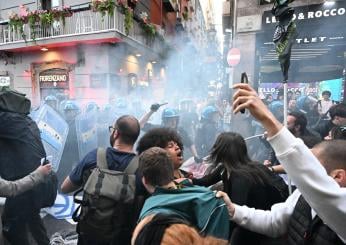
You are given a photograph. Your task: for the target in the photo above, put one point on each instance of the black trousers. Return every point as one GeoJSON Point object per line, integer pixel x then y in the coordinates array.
{"type": "Point", "coordinates": [21, 225]}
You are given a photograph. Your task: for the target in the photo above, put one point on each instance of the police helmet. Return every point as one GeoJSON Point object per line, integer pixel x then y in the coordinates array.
{"type": "Point", "coordinates": [121, 103]}
{"type": "Point", "coordinates": [50, 98]}
{"type": "Point", "coordinates": [169, 113]}
{"type": "Point", "coordinates": [208, 112]}
{"type": "Point", "coordinates": [277, 108]}
{"type": "Point", "coordinates": [91, 106]}
{"type": "Point", "coordinates": [107, 107]}
{"type": "Point", "coordinates": [71, 106]}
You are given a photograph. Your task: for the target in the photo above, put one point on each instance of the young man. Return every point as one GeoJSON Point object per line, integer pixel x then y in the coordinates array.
{"type": "Point", "coordinates": [124, 134]}
{"type": "Point", "coordinates": [295, 217]}
{"type": "Point", "coordinates": [324, 105]}
{"type": "Point", "coordinates": [169, 140]}
{"type": "Point", "coordinates": [195, 204]}
{"type": "Point", "coordinates": [322, 189]}
{"type": "Point", "coordinates": [297, 123]}
{"type": "Point", "coordinates": [337, 118]}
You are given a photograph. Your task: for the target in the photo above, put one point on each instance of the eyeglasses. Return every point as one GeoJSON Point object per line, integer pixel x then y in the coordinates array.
{"type": "Point", "coordinates": [111, 129]}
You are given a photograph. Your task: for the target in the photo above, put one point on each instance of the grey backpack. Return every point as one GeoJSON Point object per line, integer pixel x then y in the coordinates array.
{"type": "Point", "coordinates": [107, 193]}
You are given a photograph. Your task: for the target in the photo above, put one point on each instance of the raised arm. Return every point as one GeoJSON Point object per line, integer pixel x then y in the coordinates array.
{"type": "Point", "coordinates": [145, 118]}
{"type": "Point", "coordinates": [322, 193]}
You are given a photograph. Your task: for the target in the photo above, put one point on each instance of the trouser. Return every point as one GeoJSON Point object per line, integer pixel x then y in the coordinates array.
{"type": "Point", "coordinates": [122, 238]}
{"type": "Point", "coordinates": [20, 227]}
{"type": "Point", "coordinates": [89, 241]}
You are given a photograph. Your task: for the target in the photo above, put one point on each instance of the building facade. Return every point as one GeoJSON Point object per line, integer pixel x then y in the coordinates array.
{"type": "Point", "coordinates": [90, 55]}
{"type": "Point", "coordinates": [319, 50]}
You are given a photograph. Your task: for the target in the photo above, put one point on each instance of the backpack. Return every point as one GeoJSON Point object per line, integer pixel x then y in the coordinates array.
{"type": "Point", "coordinates": [104, 209]}
{"type": "Point", "coordinates": [13, 101]}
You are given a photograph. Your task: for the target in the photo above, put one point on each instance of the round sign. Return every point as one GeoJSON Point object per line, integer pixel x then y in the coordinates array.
{"type": "Point", "coordinates": [233, 57]}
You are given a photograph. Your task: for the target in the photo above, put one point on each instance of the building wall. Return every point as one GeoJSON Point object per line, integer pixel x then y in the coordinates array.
{"type": "Point", "coordinates": [246, 42]}
{"type": "Point", "coordinates": [156, 14]}
{"type": "Point", "coordinates": [112, 64]}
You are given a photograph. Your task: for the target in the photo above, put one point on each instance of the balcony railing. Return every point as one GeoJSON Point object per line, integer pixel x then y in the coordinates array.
{"type": "Point", "coordinates": [80, 23]}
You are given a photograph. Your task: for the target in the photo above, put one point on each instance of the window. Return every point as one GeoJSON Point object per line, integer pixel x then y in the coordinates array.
{"type": "Point", "coordinates": [49, 4]}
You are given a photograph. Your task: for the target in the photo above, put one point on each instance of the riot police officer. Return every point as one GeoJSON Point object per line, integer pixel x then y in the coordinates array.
{"type": "Point", "coordinates": [207, 130]}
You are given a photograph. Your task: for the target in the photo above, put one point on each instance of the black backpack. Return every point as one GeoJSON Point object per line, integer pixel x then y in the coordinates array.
{"type": "Point", "coordinates": [105, 211]}
{"type": "Point", "coordinates": [22, 151]}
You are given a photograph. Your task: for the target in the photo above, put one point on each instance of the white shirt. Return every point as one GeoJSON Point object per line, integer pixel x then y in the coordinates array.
{"type": "Point", "coordinates": [321, 191]}
{"type": "Point", "coordinates": [324, 106]}
{"type": "Point", "coordinates": [324, 195]}
{"type": "Point", "coordinates": [273, 223]}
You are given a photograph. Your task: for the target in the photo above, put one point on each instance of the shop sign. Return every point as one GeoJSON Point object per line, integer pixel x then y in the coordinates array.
{"type": "Point", "coordinates": [54, 78]}
{"type": "Point", "coordinates": [316, 24]}
{"type": "Point", "coordinates": [323, 13]}
{"type": "Point", "coordinates": [249, 23]}
{"type": "Point", "coordinates": [312, 13]}
{"type": "Point", "coordinates": [312, 88]}
{"type": "Point", "coordinates": [5, 81]}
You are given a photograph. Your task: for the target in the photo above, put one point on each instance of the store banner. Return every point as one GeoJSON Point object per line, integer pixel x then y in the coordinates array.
{"type": "Point", "coordinates": [316, 24]}
{"type": "Point", "coordinates": [314, 89]}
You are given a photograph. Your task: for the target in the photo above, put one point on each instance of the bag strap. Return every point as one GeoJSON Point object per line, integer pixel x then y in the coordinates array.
{"type": "Point", "coordinates": [133, 165]}
{"type": "Point", "coordinates": [101, 160]}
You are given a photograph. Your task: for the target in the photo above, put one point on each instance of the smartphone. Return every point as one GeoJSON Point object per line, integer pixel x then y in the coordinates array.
{"type": "Point", "coordinates": [46, 160]}
{"type": "Point", "coordinates": [244, 79]}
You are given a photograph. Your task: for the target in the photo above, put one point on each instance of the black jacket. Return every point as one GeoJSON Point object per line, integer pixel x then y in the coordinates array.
{"type": "Point", "coordinates": [303, 230]}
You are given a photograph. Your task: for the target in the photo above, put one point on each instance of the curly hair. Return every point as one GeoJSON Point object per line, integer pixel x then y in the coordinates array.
{"type": "Point", "coordinates": [159, 137]}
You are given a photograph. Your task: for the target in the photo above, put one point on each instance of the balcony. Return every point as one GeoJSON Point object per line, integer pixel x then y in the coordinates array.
{"type": "Point", "coordinates": [81, 26]}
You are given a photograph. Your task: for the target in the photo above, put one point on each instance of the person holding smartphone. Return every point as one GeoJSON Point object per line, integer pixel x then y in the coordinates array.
{"type": "Point", "coordinates": [13, 188]}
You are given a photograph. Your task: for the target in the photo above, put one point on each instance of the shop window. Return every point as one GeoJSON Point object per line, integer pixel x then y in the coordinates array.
{"type": "Point", "coordinates": [49, 4]}
{"type": "Point", "coordinates": [132, 81]}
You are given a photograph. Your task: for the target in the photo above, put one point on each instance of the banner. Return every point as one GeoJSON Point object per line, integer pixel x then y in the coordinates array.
{"type": "Point", "coordinates": [314, 89]}
{"type": "Point", "coordinates": [63, 207]}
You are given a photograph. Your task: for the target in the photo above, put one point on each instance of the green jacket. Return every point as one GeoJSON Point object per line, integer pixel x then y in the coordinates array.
{"type": "Point", "coordinates": [196, 204]}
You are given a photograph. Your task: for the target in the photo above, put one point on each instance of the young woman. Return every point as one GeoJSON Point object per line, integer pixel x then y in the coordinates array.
{"type": "Point", "coordinates": [245, 181]}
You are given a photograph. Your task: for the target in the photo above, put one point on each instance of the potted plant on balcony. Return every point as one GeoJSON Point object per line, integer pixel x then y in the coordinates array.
{"type": "Point", "coordinates": [61, 14]}
{"type": "Point", "coordinates": [34, 18]}
{"type": "Point", "coordinates": [149, 28]}
{"type": "Point", "coordinates": [16, 22]}
{"type": "Point", "coordinates": [128, 12]}
{"type": "Point", "coordinates": [46, 18]}
{"type": "Point", "coordinates": [103, 6]}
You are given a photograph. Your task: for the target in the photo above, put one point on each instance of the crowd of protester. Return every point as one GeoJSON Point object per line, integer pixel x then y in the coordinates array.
{"type": "Point", "coordinates": [135, 192]}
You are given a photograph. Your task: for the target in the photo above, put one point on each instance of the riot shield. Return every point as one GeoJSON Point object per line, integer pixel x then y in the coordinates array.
{"type": "Point", "coordinates": [86, 128]}
{"type": "Point", "coordinates": [53, 130]}
{"type": "Point", "coordinates": [104, 121]}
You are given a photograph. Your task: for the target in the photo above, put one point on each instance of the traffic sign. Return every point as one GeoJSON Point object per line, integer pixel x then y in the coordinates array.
{"type": "Point", "coordinates": [233, 57]}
